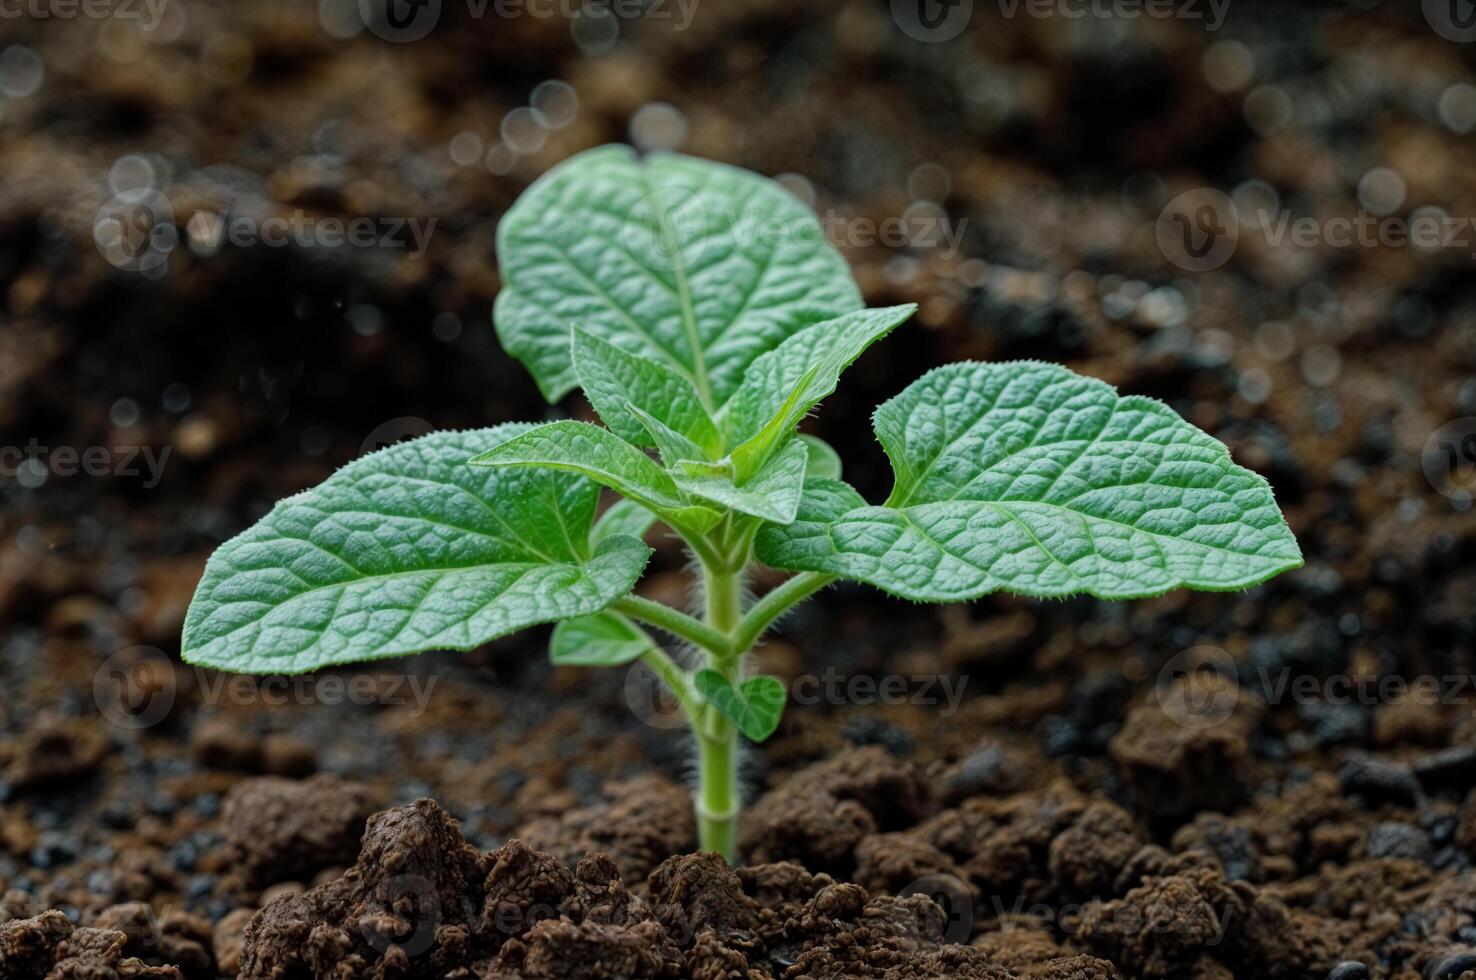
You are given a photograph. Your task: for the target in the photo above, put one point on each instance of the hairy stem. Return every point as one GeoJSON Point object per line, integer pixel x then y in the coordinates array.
{"type": "Point", "coordinates": [675, 622]}
{"type": "Point", "coordinates": [775, 604]}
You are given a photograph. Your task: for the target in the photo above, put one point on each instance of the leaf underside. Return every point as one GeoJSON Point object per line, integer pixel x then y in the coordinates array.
{"type": "Point", "coordinates": [698, 265]}
{"type": "Point", "coordinates": [405, 550]}
{"type": "Point", "coordinates": [1026, 477]}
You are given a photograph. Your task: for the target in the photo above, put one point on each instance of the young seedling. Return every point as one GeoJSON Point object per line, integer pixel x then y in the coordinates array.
{"type": "Point", "coordinates": [704, 315]}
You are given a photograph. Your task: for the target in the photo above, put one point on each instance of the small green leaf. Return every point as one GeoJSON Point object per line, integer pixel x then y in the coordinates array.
{"type": "Point", "coordinates": [755, 707]}
{"type": "Point", "coordinates": [604, 457]}
{"type": "Point", "coordinates": [824, 460]}
{"type": "Point", "coordinates": [1029, 478]}
{"type": "Point", "coordinates": [781, 387]}
{"type": "Point", "coordinates": [616, 381]}
{"type": "Point", "coordinates": [604, 639]}
{"type": "Point", "coordinates": [622, 517]}
{"type": "Point", "coordinates": [773, 493]}
{"type": "Point", "coordinates": [404, 550]}
{"type": "Point", "coordinates": [697, 265]}
{"type": "Point", "coordinates": [673, 446]}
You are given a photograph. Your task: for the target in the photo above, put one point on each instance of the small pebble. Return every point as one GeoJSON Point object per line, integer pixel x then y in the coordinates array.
{"type": "Point", "coordinates": [1349, 970]}
{"type": "Point", "coordinates": [1399, 840]}
{"type": "Point", "coordinates": [1380, 781]}
{"type": "Point", "coordinates": [1453, 768]}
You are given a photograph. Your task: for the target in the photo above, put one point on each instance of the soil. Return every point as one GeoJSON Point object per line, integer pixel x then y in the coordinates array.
{"type": "Point", "coordinates": [1091, 807]}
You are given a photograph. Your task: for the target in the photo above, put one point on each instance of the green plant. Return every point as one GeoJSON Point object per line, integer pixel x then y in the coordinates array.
{"type": "Point", "coordinates": [704, 315]}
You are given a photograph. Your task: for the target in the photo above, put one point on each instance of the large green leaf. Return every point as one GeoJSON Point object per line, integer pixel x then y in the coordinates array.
{"type": "Point", "coordinates": [1027, 477]}
{"type": "Point", "coordinates": [696, 264]}
{"type": "Point", "coordinates": [622, 386]}
{"type": "Point", "coordinates": [604, 457]}
{"type": "Point", "coordinates": [785, 384]}
{"type": "Point", "coordinates": [404, 550]}
{"type": "Point", "coordinates": [773, 493]}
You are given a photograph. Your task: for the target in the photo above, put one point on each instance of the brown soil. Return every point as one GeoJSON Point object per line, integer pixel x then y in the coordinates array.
{"type": "Point", "coordinates": [1068, 820]}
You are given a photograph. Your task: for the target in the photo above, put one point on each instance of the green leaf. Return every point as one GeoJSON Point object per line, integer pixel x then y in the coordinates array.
{"type": "Point", "coordinates": [824, 460]}
{"type": "Point", "coordinates": [697, 265]}
{"type": "Point", "coordinates": [604, 639]}
{"type": "Point", "coordinates": [601, 455]}
{"type": "Point", "coordinates": [1029, 478]}
{"type": "Point", "coordinates": [404, 550]}
{"type": "Point", "coordinates": [622, 517]}
{"type": "Point", "coordinates": [755, 707]}
{"type": "Point", "coordinates": [673, 446]}
{"type": "Point", "coordinates": [785, 384]}
{"type": "Point", "coordinates": [773, 493]}
{"type": "Point", "coordinates": [617, 382]}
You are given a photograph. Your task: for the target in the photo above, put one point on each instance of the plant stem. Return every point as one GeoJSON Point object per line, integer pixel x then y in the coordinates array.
{"type": "Point", "coordinates": [675, 622]}
{"type": "Point", "coordinates": [718, 799]}
{"type": "Point", "coordinates": [775, 604]}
